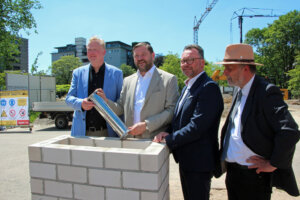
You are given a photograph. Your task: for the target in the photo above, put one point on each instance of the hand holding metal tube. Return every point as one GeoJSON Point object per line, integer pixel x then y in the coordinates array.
{"type": "Point", "coordinates": [113, 120]}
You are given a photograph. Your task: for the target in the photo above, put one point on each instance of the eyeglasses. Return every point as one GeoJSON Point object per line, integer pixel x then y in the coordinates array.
{"type": "Point", "coordinates": [189, 61]}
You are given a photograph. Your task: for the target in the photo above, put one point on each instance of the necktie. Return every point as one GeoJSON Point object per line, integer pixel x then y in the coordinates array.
{"type": "Point", "coordinates": [231, 123]}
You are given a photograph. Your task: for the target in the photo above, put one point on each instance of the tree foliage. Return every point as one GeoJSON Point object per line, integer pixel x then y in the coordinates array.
{"type": "Point", "coordinates": [2, 81]}
{"type": "Point", "coordinates": [34, 66]}
{"type": "Point", "coordinates": [62, 90]}
{"type": "Point", "coordinates": [15, 15]}
{"type": "Point", "coordinates": [127, 70]}
{"type": "Point", "coordinates": [276, 47]}
{"type": "Point", "coordinates": [294, 82]}
{"type": "Point", "coordinates": [159, 60]}
{"type": "Point", "coordinates": [62, 69]}
{"type": "Point", "coordinates": [171, 64]}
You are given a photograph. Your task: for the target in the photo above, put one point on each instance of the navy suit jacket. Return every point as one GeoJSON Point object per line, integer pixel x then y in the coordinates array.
{"type": "Point", "coordinates": [112, 85]}
{"type": "Point", "coordinates": [269, 130]}
{"type": "Point", "coordinates": [193, 138]}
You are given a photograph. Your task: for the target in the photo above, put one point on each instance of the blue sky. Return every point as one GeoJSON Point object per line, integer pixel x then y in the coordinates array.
{"type": "Point", "coordinates": [166, 24]}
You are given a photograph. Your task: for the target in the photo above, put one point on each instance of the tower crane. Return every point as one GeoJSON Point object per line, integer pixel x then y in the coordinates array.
{"type": "Point", "coordinates": [253, 13]}
{"type": "Point", "coordinates": [198, 22]}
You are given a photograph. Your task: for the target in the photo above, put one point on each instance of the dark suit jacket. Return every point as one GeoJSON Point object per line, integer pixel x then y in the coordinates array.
{"type": "Point", "coordinates": [270, 131]}
{"type": "Point", "coordinates": [193, 138]}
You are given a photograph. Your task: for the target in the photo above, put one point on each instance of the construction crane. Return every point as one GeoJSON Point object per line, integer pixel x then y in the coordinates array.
{"type": "Point", "coordinates": [253, 13]}
{"type": "Point", "coordinates": [198, 22]}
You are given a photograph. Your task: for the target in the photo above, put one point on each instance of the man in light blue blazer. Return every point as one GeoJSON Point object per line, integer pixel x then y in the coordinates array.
{"type": "Point", "coordinates": [98, 74]}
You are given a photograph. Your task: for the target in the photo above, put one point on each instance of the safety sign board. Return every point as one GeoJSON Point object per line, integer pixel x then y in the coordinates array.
{"type": "Point", "coordinates": [14, 108]}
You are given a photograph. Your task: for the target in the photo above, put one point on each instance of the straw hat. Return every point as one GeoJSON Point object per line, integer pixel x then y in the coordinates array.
{"type": "Point", "coordinates": [239, 54]}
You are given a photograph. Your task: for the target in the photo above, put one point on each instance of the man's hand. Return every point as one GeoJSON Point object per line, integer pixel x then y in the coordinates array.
{"type": "Point", "coordinates": [101, 93]}
{"type": "Point", "coordinates": [261, 164]}
{"type": "Point", "coordinates": [87, 105]}
{"type": "Point", "coordinates": [138, 128]}
{"type": "Point", "coordinates": [160, 138]}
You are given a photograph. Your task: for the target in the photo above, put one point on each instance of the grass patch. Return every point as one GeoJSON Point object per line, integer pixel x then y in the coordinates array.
{"type": "Point", "coordinates": [33, 115]}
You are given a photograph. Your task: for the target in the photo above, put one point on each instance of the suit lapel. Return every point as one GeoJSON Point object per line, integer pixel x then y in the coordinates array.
{"type": "Point", "coordinates": [131, 96]}
{"type": "Point", "coordinates": [86, 80]}
{"type": "Point", "coordinates": [152, 86]}
{"type": "Point", "coordinates": [248, 104]}
{"type": "Point", "coordinates": [176, 111]}
{"type": "Point", "coordinates": [198, 83]}
{"type": "Point", "coordinates": [106, 80]}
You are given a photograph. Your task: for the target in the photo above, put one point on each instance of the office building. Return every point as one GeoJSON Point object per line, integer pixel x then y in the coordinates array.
{"type": "Point", "coordinates": [117, 53]}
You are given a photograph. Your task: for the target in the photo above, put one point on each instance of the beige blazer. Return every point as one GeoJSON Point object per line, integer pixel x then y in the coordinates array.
{"type": "Point", "coordinates": [159, 105]}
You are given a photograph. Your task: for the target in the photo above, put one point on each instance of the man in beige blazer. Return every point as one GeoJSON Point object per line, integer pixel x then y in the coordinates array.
{"type": "Point", "coordinates": [148, 97]}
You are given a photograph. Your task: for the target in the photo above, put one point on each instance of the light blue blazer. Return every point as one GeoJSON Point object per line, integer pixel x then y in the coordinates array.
{"type": "Point", "coordinates": [113, 80]}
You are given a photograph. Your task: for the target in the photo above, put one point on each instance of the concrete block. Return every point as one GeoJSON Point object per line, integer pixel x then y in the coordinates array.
{"type": "Point", "coordinates": [82, 142]}
{"type": "Point", "coordinates": [86, 192]}
{"type": "Point", "coordinates": [119, 194]}
{"type": "Point", "coordinates": [63, 141]}
{"type": "Point", "coordinates": [72, 174]}
{"type": "Point", "coordinates": [41, 197]}
{"type": "Point", "coordinates": [144, 181]}
{"type": "Point", "coordinates": [34, 153]}
{"type": "Point", "coordinates": [153, 157]}
{"type": "Point", "coordinates": [160, 195]}
{"type": "Point", "coordinates": [164, 171]}
{"type": "Point", "coordinates": [40, 170]}
{"type": "Point", "coordinates": [108, 142]}
{"type": "Point", "coordinates": [167, 195]}
{"type": "Point", "coordinates": [53, 154]}
{"type": "Point", "coordinates": [164, 188]}
{"type": "Point", "coordinates": [132, 143]}
{"type": "Point", "coordinates": [104, 177]}
{"type": "Point", "coordinates": [118, 158]}
{"type": "Point", "coordinates": [89, 157]}
{"type": "Point", "coordinates": [58, 189]}
{"type": "Point", "coordinates": [37, 186]}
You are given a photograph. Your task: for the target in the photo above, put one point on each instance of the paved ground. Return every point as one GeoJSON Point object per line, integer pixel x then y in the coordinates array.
{"type": "Point", "coordinates": [14, 172]}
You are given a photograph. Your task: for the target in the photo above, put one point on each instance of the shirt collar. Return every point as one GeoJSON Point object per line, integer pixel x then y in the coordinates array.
{"type": "Point", "coordinates": [246, 88]}
{"type": "Point", "coordinates": [101, 70]}
{"type": "Point", "coordinates": [149, 73]}
{"type": "Point", "coordinates": [189, 82]}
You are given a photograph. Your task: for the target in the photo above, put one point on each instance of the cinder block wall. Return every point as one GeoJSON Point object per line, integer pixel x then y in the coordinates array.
{"type": "Point", "coordinates": [98, 168]}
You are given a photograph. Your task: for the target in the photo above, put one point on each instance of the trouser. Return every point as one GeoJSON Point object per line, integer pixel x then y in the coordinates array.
{"type": "Point", "coordinates": [245, 184]}
{"type": "Point", "coordinates": [97, 133]}
{"type": "Point", "coordinates": [195, 185]}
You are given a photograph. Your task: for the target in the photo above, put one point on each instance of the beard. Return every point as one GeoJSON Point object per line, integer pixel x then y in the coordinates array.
{"type": "Point", "coordinates": [144, 65]}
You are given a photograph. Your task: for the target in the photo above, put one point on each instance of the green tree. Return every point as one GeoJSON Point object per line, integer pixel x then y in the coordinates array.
{"type": "Point", "coordinates": [2, 81]}
{"type": "Point", "coordinates": [210, 68]}
{"type": "Point", "coordinates": [127, 70]}
{"type": "Point", "coordinates": [15, 15]}
{"type": "Point", "coordinates": [294, 82]}
{"type": "Point", "coordinates": [171, 64]}
{"type": "Point", "coordinates": [62, 69]}
{"type": "Point", "coordinates": [34, 66]}
{"type": "Point", "coordinates": [276, 47]}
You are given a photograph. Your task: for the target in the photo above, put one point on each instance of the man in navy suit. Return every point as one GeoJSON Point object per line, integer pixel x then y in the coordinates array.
{"type": "Point", "coordinates": [193, 134]}
{"type": "Point", "coordinates": [86, 79]}
{"type": "Point", "coordinates": [259, 135]}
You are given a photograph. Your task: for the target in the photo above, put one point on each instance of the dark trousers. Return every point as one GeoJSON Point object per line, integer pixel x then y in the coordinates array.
{"type": "Point", "coordinates": [246, 184]}
{"type": "Point", "coordinates": [195, 185]}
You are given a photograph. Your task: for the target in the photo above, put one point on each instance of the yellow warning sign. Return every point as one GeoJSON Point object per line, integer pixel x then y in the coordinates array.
{"type": "Point", "coordinates": [3, 114]}
{"type": "Point", "coordinates": [8, 123]}
{"type": "Point", "coordinates": [22, 102]}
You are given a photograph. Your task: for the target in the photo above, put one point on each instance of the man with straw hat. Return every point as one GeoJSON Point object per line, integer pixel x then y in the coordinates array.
{"type": "Point", "coordinates": [259, 136]}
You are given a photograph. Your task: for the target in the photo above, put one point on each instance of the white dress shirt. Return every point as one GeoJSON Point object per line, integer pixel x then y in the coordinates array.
{"type": "Point", "coordinates": [238, 152]}
{"type": "Point", "coordinates": [189, 83]}
{"type": "Point", "coordinates": [141, 89]}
